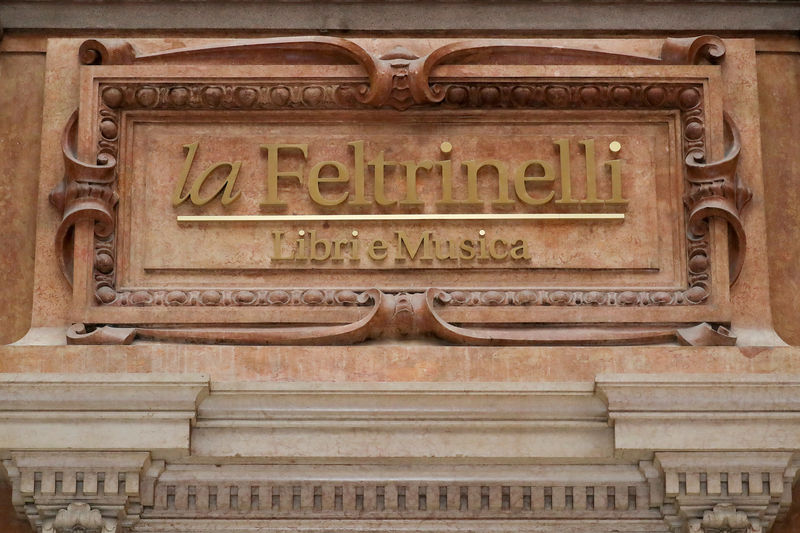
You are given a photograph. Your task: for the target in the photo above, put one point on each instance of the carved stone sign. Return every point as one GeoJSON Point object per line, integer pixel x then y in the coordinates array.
{"type": "Point", "coordinates": [305, 190]}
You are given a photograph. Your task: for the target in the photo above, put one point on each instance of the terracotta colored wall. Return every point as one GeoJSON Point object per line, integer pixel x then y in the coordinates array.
{"type": "Point", "coordinates": [21, 93]}
{"type": "Point", "coordinates": [779, 100]}
{"type": "Point", "coordinates": [9, 522]}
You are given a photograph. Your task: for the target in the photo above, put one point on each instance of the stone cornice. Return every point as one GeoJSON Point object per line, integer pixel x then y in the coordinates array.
{"type": "Point", "coordinates": [99, 411]}
{"type": "Point", "coordinates": [402, 420]}
{"type": "Point", "coordinates": [426, 15]}
{"type": "Point", "coordinates": [700, 392]}
{"type": "Point", "coordinates": [702, 412]}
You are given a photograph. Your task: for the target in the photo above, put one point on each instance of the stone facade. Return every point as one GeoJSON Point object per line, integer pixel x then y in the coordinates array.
{"type": "Point", "coordinates": [318, 403]}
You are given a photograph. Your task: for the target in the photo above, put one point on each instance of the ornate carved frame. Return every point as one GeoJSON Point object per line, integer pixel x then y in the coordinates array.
{"type": "Point", "coordinates": [401, 80]}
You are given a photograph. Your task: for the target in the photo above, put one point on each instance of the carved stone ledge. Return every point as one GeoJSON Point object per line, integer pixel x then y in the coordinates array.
{"type": "Point", "coordinates": [278, 421]}
{"type": "Point", "coordinates": [148, 412]}
{"type": "Point", "coordinates": [406, 316]}
{"type": "Point", "coordinates": [674, 412]}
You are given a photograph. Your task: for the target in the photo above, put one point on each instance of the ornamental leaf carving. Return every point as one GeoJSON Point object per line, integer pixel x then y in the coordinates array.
{"type": "Point", "coordinates": [79, 518]}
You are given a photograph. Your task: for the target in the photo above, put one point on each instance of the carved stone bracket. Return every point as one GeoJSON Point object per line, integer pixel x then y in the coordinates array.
{"type": "Point", "coordinates": [85, 194]}
{"type": "Point", "coordinates": [724, 492]}
{"type": "Point", "coordinates": [718, 192]}
{"type": "Point", "coordinates": [724, 518]}
{"type": "Point", "coordinates": [111, 489]}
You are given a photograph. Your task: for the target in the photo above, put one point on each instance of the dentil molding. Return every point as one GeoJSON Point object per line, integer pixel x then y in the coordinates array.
{"type": "Point", "coordinates": [620, 454]}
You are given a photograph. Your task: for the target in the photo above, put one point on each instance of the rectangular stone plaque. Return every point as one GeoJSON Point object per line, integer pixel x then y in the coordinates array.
{"type": "Point", "coordinates": [515, 194]}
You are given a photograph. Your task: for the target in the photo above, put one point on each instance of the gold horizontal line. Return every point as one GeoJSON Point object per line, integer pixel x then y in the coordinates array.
{"type": "Point", "coordinates": [401, 217]}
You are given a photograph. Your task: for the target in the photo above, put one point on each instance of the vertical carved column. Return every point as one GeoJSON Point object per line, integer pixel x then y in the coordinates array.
{"type": "Point", "coordinates": [82, 491]}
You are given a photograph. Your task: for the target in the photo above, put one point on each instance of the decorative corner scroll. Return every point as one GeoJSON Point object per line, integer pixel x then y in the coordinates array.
{"type": "Point", "coordinates": [693, 50]}
{"type": "Point", "coordinates": [718, 192]}
{"type": "Point", "coordinates": [86, 193]}
{"type": "Point", "coordinates": [106, 52]}
{"type": "Point", "coordinates": [705, 334]}
{"type": "Point", "coordinates": [78, 334]}
{"type": "Point", "coordinates": [400, 78]}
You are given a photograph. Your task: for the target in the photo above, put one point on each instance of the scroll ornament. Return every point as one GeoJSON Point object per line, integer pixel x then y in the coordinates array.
{"type": "Point", "coordinates": [85, 194]}
{"type": "Point", "coordinates": [400, 78]}
{"type": "Point", "coordinates": [718, 192]}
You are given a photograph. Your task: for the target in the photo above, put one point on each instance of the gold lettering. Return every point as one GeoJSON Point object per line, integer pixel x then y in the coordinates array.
{"type": "Point", "coordinates": [359, 197]}
{"type": "Point", "coordinates": [314, 180]}
{"type": "Point", "coordinates": [591, 173]}
{"type": "Point", "coordinates": [377, 250]}
{"type": "Point", "coordinates": [355, 255]}
{"type": "Point", "coordinates": [273, 151]}
{"type": "Point", "coordinates": [338, 244]}
{"type": "Point", "coordinates": [449, 252]}
{"type": "Point", "coordinates": [447, 176]}
{"type": "Point", "coordinates": [473, 166]}
{"type": "Point", "coordinates": [228, 196]}
{"type": "Point", "coordinates": [468, 249]}
{"type": "Point", "coordinates": [521, 180]}
{"type": "Point", "coordinates": [177, 199]}
{"type": "Point", "coordinates": [407, 249]}
{"type": "Point", "coordinates": [314, 244]}
{"type": "Point", "coordinates": [380, 167]}
{"type": "Point", "coordinates": [411, 181]}
{"type": "Point", "coordinates": [616, 182]}
{"type": "Point", "coordinates": [277, 247]}
{"type": "Point", "coordinates": [566, 177]}
{"type": "Point", "coordinates": [503, 253]}
{"type": "Point", "coordinates": [519, 250]}
{"type": "Point", "coordinates": [484, 252]}
{"type": "Point", "coordinates": [300, 253]}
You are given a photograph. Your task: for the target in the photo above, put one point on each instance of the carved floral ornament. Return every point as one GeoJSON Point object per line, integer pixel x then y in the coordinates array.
{"type": "Point", "coordinates": [79, 518]}
{"type": "Point", "coordinates": [401, 80]}
{"type": "Point", "coordinates": [724, 518]}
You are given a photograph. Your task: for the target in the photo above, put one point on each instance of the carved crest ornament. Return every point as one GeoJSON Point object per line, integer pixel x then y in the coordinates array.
{"type": "Point", "coordinates": [398, 81]}
{"type": "Point", "coordinates": [79, 518]}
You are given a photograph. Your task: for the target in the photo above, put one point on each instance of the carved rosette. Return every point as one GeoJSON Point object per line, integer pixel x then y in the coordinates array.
{"type": "Point", "coordinates": [402, 80]}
